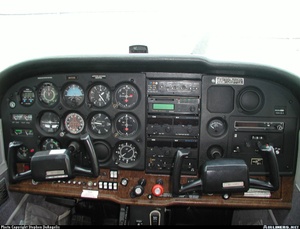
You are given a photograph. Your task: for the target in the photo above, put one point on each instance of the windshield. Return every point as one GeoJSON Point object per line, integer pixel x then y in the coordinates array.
{"type": "Point", "coordinates": [264, 32]}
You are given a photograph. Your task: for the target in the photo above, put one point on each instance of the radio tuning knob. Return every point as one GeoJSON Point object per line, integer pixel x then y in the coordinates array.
{"type": "Point", "coordinates": [189, 129]}
{"type": "Point", "coordinates": [279, 127]}
{"type": "Point", "coordinates": [192, 109]}
{"type": "Point", "coordinates": [168, 129]}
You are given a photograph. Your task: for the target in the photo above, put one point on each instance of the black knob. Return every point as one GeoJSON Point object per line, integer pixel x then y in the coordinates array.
{"type": "Point", "coordinates": [142, 182]}
{"type": "Point", "coordinates": [137, 191]}
{"type": "Point", "coordinates": [215, 152]}
{"type": "Point", "coordinates": [168, 129]}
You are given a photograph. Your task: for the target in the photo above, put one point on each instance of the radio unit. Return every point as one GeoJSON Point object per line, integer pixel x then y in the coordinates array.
{"type": "Point", "coordinates": [173, 123]}
{"type": "Point", "coordinates": [173, 104]}
{"type": "Point", "coordinates": [161, 155]}
{"type": "Point", "coordinates": [174, 87]}
{"type": "Point", "coordinates": [185, 126]}
{"type": "Point", "coordinates": [258, 126]}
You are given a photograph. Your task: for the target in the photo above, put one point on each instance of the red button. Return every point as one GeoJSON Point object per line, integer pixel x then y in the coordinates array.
{"type": "Point", "coordinates": [157, 190]}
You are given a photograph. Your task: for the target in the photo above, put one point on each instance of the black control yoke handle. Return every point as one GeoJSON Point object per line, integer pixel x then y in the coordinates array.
{"type": "Point", "coordinates": [91, 152]}
{"type": "Point", "coordinates": [197, 185]}
{"type": "Point", "coordinates": [273, 183]}
{"type": "Point", "coordinates": [13, 175]}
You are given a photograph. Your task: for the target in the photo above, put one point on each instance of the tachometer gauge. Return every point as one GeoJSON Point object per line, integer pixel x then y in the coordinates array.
{"type": "Point", "coordinates": [100, 124]}
{"type": "Point", "coordinates": [49, 122]}
{"type": "Point", "coordinates": [126, 96]}
{"type": "Point", "coordinates": [74, 123]}
{"type": "Point", "coordinates": [73, 95]}
{"type": "Point", "coordinates": [126, 152]}
{"type": "Point", "coordinates": [99, 95]}
{"type": "Point", "coordinates": [126, 125]}
{"type": "Point", "coordinates": [49, 144]}
{"type": "Point", "coordinates": [27, 97]}
{"type": "Point", "coordinates": [48, 94]}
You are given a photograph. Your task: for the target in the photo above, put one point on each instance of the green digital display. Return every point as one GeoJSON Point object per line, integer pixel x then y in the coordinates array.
{"type": "Point", "coordinates": [163, 106]}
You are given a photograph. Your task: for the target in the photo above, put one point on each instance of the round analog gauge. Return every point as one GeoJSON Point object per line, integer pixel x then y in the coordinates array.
{"type": "Point", "coordinates": [126, 125]}
{"type": "Point", "coordinates": [74, 123]}
{"type": "Point", "coordinates": [99, 95]}
{"type": "Point", "coordinates": [216, 127]}
{"type": "Point", "coordinates": [126, 96]}
{"type": "Point", "coordinates": [23, 153]}
{"type": "Point", "coordinates": [48, 94]}
{"type": "Point", "coordinates": [100, 124]}
{"type": "Point", "coordinates": [49, 122]}
{"type": "Point", "coordinates": [73, 95]}
{"type": "Point", "coordinates": [126, 152]}
{"type": "Point", "coordinates": [27, 97]}
{"type": "Point", "coordinates": [49, 144]}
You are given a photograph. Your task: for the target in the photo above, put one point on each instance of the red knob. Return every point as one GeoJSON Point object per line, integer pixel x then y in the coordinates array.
{"type": "Point", "coordinates": [157, 190]}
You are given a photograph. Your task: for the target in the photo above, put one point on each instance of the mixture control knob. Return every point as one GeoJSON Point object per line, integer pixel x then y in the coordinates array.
{"type": "Point", "coordinates": [157, 190]}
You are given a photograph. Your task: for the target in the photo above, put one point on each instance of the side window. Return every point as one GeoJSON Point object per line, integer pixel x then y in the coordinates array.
{"type": "Point", "coordinates": [297, 177]}
{"type": "Point", "coordinates": [3, 165]}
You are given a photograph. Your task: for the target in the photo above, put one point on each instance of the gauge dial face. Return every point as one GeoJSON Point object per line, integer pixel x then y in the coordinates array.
{"type": "Point", "coordinates": [126, 125]}
{"type": "Point", "coordinates": [23, 153]}
{"type": "Point", "coordinates": [99, 95]}
{"type": "Point", "coordinates": [74, 123]}
{"type": "Point", "coordinates": [73, 95]}
{"type": "Point", "coordinates": [100, 124]}
{"type": "Point", "coordinates": [126, 96]}
{"type": "Point", "coordinates": [27, 97]}
{"type": "Point", "coordinates": [216, 127]}
{"type": "Point", "coordinates": [127, 152]}
{"type": "Point", "coordinates": [49, 144]}
{"type": "Point", "coordinates": [48, 94]}
{"type": "Point", "coordinates": [49, 122]}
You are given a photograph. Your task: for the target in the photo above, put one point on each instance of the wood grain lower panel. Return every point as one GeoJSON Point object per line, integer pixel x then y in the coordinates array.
{"type": "Point", "coordinates": [73, 189]}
